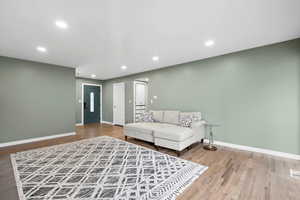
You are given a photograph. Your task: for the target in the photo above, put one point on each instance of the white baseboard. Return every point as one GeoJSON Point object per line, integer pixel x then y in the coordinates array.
{"type": "Point", "coordinates": [106, 122]}
{"type": "Point", "coordinates": [35, 139]}
{"type": "Point", "coordinates": [259, 150]}
{"type": "Point", "coordinates": [79, 124]}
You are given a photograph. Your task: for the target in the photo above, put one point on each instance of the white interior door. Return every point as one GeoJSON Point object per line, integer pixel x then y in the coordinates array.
{"type": "Point", "coordinates": [119, 103]}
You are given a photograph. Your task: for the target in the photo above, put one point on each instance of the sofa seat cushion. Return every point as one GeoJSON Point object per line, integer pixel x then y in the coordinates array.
{"type": "Point", "coordinates": [174, 133]}
{"type": "Point", "coordinates": [142, 127]}
{"type": "Point", "coordinates": [147, 127]}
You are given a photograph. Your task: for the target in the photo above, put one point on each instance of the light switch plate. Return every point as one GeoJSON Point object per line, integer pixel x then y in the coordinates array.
{"type": "Point", "coordinates": [295, 174]}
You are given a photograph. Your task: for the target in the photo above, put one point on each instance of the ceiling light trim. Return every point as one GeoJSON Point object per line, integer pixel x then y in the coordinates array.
{"type": "Point", "coordinates": [41, 49]}
{"type": "Point", "coordinates": [61, 24]}
{"type": "Point", "coordinates": [123, 67]}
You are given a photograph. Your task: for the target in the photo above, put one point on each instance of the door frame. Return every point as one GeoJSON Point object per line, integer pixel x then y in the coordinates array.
{"type": "Point", "coordinates": [82, 100]}
{"type": "Point", "coordinates": [113, 121]}
{"type": "Point", "coordinates": [133, 101]}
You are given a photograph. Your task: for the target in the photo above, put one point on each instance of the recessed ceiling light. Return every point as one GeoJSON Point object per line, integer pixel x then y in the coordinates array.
{"type": "Point", "coordinates": [155, 58]}
{"type": "Point", "coordinates": [93, 75]}
{"type": "Point", "coordinates": [209, 43]}
{"type": "Point", "coordinates": [61, 24]}
{"type": "Point", "coordinates": [41, 49]}
{"type": "Point", "coordinates": [123, 67]}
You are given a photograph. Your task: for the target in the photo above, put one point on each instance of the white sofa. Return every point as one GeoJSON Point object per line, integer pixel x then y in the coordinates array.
{"type": "Point", "coordinates": [166, 131]}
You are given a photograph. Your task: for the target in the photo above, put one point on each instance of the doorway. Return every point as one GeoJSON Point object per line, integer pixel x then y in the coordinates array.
{"type": "Point", "coordinates": [140, 100]}
{"type": "Point", "coordinates": [119, 104]}
{"type": "Point", "coordinates": [91, 103]}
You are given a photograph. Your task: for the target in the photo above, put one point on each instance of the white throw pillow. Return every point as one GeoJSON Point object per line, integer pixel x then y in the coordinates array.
{"type": "Point", "coordinates": [171, 117]}
{"type": "Point", "coordinates": [157, 115]}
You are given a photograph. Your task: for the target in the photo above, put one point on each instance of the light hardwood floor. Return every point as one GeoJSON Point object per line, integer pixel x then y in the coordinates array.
{"type": "Point", "coordinates": [232, 174]}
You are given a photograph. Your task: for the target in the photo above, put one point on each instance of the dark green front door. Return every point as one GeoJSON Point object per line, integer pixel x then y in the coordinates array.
{"type": "Point", "coordinates": [91, 104]}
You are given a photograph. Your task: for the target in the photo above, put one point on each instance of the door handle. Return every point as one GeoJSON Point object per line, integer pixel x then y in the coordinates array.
{"type": "Point", "coordinates": [84, 105]}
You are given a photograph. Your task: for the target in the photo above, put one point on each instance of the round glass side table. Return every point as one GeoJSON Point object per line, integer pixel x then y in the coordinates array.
{"type": "Point", "coordinates": [210, 146]}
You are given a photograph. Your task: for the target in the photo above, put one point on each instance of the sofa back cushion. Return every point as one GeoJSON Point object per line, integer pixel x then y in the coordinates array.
{"type": "Point", "coordinates": [196, 116]}
{"type": "Point", "coordinates": [157, 115]}
{"type": "Point", "coordinates": [171, 117]}
{"type": "Point", "coordinates": [174, 117]}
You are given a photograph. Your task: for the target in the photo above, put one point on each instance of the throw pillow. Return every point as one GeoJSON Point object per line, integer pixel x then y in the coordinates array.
{"type": "Point", "coordinates": [145, 117]}
{"type": "Point", "coordinates": [158, 115]}
{"type": "Point", "coordinates": [186, 122]}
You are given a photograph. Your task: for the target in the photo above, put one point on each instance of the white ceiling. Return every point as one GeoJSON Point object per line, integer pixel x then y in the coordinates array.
{"type": "Point", "coordinates": [103, 35]}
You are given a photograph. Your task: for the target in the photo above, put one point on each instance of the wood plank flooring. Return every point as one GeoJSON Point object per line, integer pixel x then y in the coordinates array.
{"type": "Point", "coordinates": [232, 174]}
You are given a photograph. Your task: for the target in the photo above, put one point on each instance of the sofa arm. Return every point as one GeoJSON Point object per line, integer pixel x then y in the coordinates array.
{"type": "Point", "coordinates": [199, 129]}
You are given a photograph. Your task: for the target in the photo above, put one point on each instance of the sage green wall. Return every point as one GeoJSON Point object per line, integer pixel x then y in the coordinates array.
{"type": "Point", "coordinates": [108, 98]}
{"type": "Point", "coordinates": [253, 94]}
{"type": "Point", "coordinates": [36, 99]}
{"type": "Point", "coordinates": [79, 82]}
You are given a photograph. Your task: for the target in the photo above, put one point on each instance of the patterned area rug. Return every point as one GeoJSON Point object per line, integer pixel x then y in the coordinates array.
{"type": "Point", "coordinates": [101, 168]}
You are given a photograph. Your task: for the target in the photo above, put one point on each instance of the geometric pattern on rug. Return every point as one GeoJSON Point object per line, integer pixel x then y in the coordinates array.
{"type": "Point", "coordinates": [101, 168]}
